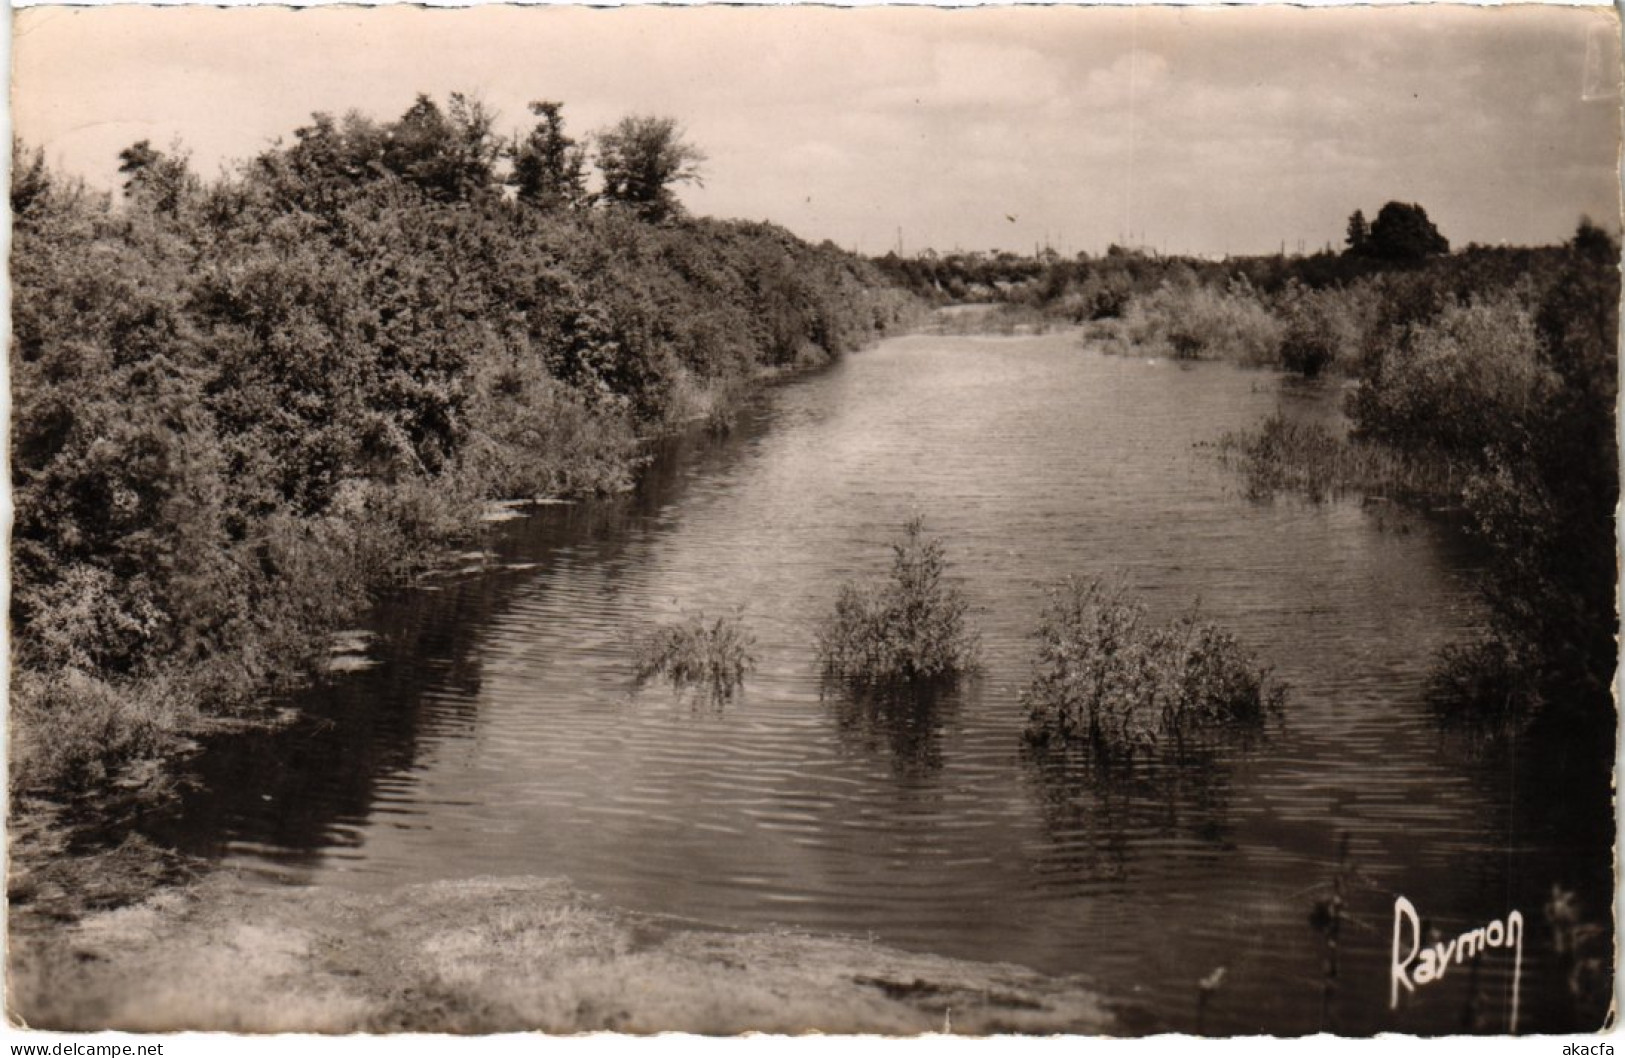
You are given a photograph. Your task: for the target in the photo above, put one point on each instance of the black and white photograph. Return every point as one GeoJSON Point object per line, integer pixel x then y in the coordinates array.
{"type": "Point", "coordinates": [1064, 520]}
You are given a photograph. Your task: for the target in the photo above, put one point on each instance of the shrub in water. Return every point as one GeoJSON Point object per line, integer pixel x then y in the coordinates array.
{"type": "Point", "coordinates": [1109, 678]}
{"type": "Point", "coordinates": [1483, 684]}
{"type": "Point", "coordinates": [909, 628]}
{"type": "Point", "coordinates": [698, 652]}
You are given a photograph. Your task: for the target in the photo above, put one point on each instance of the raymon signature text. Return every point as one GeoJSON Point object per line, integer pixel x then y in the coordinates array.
{"type": "Point", "coordinates": [1414, 965]}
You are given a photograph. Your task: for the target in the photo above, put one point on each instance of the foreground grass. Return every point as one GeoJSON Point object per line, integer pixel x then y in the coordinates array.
{"type": "Point", "coordinates": [495, 955]}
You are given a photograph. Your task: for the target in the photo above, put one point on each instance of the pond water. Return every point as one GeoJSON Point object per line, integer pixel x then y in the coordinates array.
{"type": "Point", "coordinates": [498, 732]}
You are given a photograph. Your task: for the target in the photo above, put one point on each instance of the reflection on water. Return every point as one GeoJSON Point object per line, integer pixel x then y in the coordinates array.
{"type": "Point", "coordinates": [1103, 816]}
{"type": "Point", "coordinates": [906, 722]}
{"type": "Point", "coordinates": [499, 734]}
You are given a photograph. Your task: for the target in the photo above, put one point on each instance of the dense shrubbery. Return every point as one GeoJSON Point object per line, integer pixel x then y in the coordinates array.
{"type": "Point", "coordinates": [1305, 314]}
{"type": "Point", "coordinates": [1542, 486]}
{"type": "Point", "coordinates": [240, 406]}
{"type": "Point", "coordinates": [908, 628]}
{"type": "Point", "coordinates": [1187, 320]}
{"type": "Point", "coordinates": [1108, 678]}
{"type": "Point", "coordinates": [1455, 384]}
{"type": "Point", "coordinates": [1509, 395]}
{"type": "Point", "coordinates": [965, 277]}
{"type": "Point", "coordinates": [1322, 330]}
{"type": "Point", "coordinates": [1488, 384]}
{"type": "Point", "coordinates": [71, 730]}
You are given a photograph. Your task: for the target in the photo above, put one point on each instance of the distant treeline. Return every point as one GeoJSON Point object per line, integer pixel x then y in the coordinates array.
{"type": "Point", "coordinates": [1257, 309]}
{"type": "Point", "coordinates": [1484, 381]}
{"type": "Point", "coordinates": [241, 405]}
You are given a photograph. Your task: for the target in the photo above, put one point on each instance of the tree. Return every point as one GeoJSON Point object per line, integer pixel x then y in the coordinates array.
{"type": "Point", "coordinates": [30, 180]}
{"type": "Point", "coordinates": [549, 168]}
{"type": "Point", "coordinates": [1358, 233]}
{"type": "Point", "coordinates": [322, 169]}
{"type": "Point", "coordinates": [1402, 232]}
{"type": "Point", "coordinates": [161, 181]}
{"type": "Point", "coordinates": [1594, 243]}
{"type": "Point", "coordinates": [641, 158]}
{"type": "Point", "coordinates": [451, 157]}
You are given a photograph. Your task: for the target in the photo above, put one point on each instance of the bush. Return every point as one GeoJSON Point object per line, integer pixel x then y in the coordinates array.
{"type": "Point", "coordinates": [908, 629]}
{"type": "Point", "coordinates": [540, 439]}
{"type": "Point", "coordinates": [1480, 684]}
{"type": "Point", "coordinates": [1487, 383]}
{"type": "Point", "coordinates": [714, 656]}
{"type": "Point", "coordinates": [1323, 330]}
{"type": "Point", "coordinates": [1109, 679]}
{"type": "Point", "coordinates": [1101, 295]}
{"type": "Point", "coordinates": [1191, 321]}
{"type": "Point", "coordinates": [1455, 385]}
{"type": "Point", "coordinates": [1542, 500]}
{"type": "Point", "coordinates": [73, 732]}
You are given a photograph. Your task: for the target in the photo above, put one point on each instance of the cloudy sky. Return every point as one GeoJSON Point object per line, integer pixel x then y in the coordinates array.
{"type": "Point", "coordinates": [1191, 130]}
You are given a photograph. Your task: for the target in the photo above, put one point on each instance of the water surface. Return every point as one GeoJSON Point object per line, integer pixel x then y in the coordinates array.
{"type": "Point", "coordinates": [499, 733]}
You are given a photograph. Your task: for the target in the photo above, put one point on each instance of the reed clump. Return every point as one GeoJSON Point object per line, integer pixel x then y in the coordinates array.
{"type": "Point", "coordinates": [1285, 455]}
{"type": "Point", "coordinates": [713, 656]}
{"type": "Point", "coordinates": [909, 628]}
{"type": "Point", "coordinates": [1106, 676]}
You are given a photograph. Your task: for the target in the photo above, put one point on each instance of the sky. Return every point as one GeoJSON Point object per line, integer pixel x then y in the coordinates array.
{"type": "Point", "coordinates": [1188, 130]}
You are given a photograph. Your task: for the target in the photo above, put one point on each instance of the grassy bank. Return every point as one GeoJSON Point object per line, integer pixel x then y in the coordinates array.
{"type": "Point", "coordinates": [242, 406]}
{"type": "Point", "coordinates": [498, 955]}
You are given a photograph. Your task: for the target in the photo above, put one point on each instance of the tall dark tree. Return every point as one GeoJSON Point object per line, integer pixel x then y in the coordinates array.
{"type": "Point", "coordinates": [1358, 232]}
{"type": "Point", "coordinates": [1403, 232]}
{"type": "Point", "coordinates": [1594, 243]}
{"type": "Point", "coordinates": [549, 168]}
{"type": "Point", "coordinates": [641, 158]}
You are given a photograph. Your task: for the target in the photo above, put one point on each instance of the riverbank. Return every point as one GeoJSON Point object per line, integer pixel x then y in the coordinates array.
{"type": "Point", "coordinates": [222, 451]}
{"type": "Point", "coordinates": [77, 856]}
{"type": "Point", "coordinates": [496, 955]}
